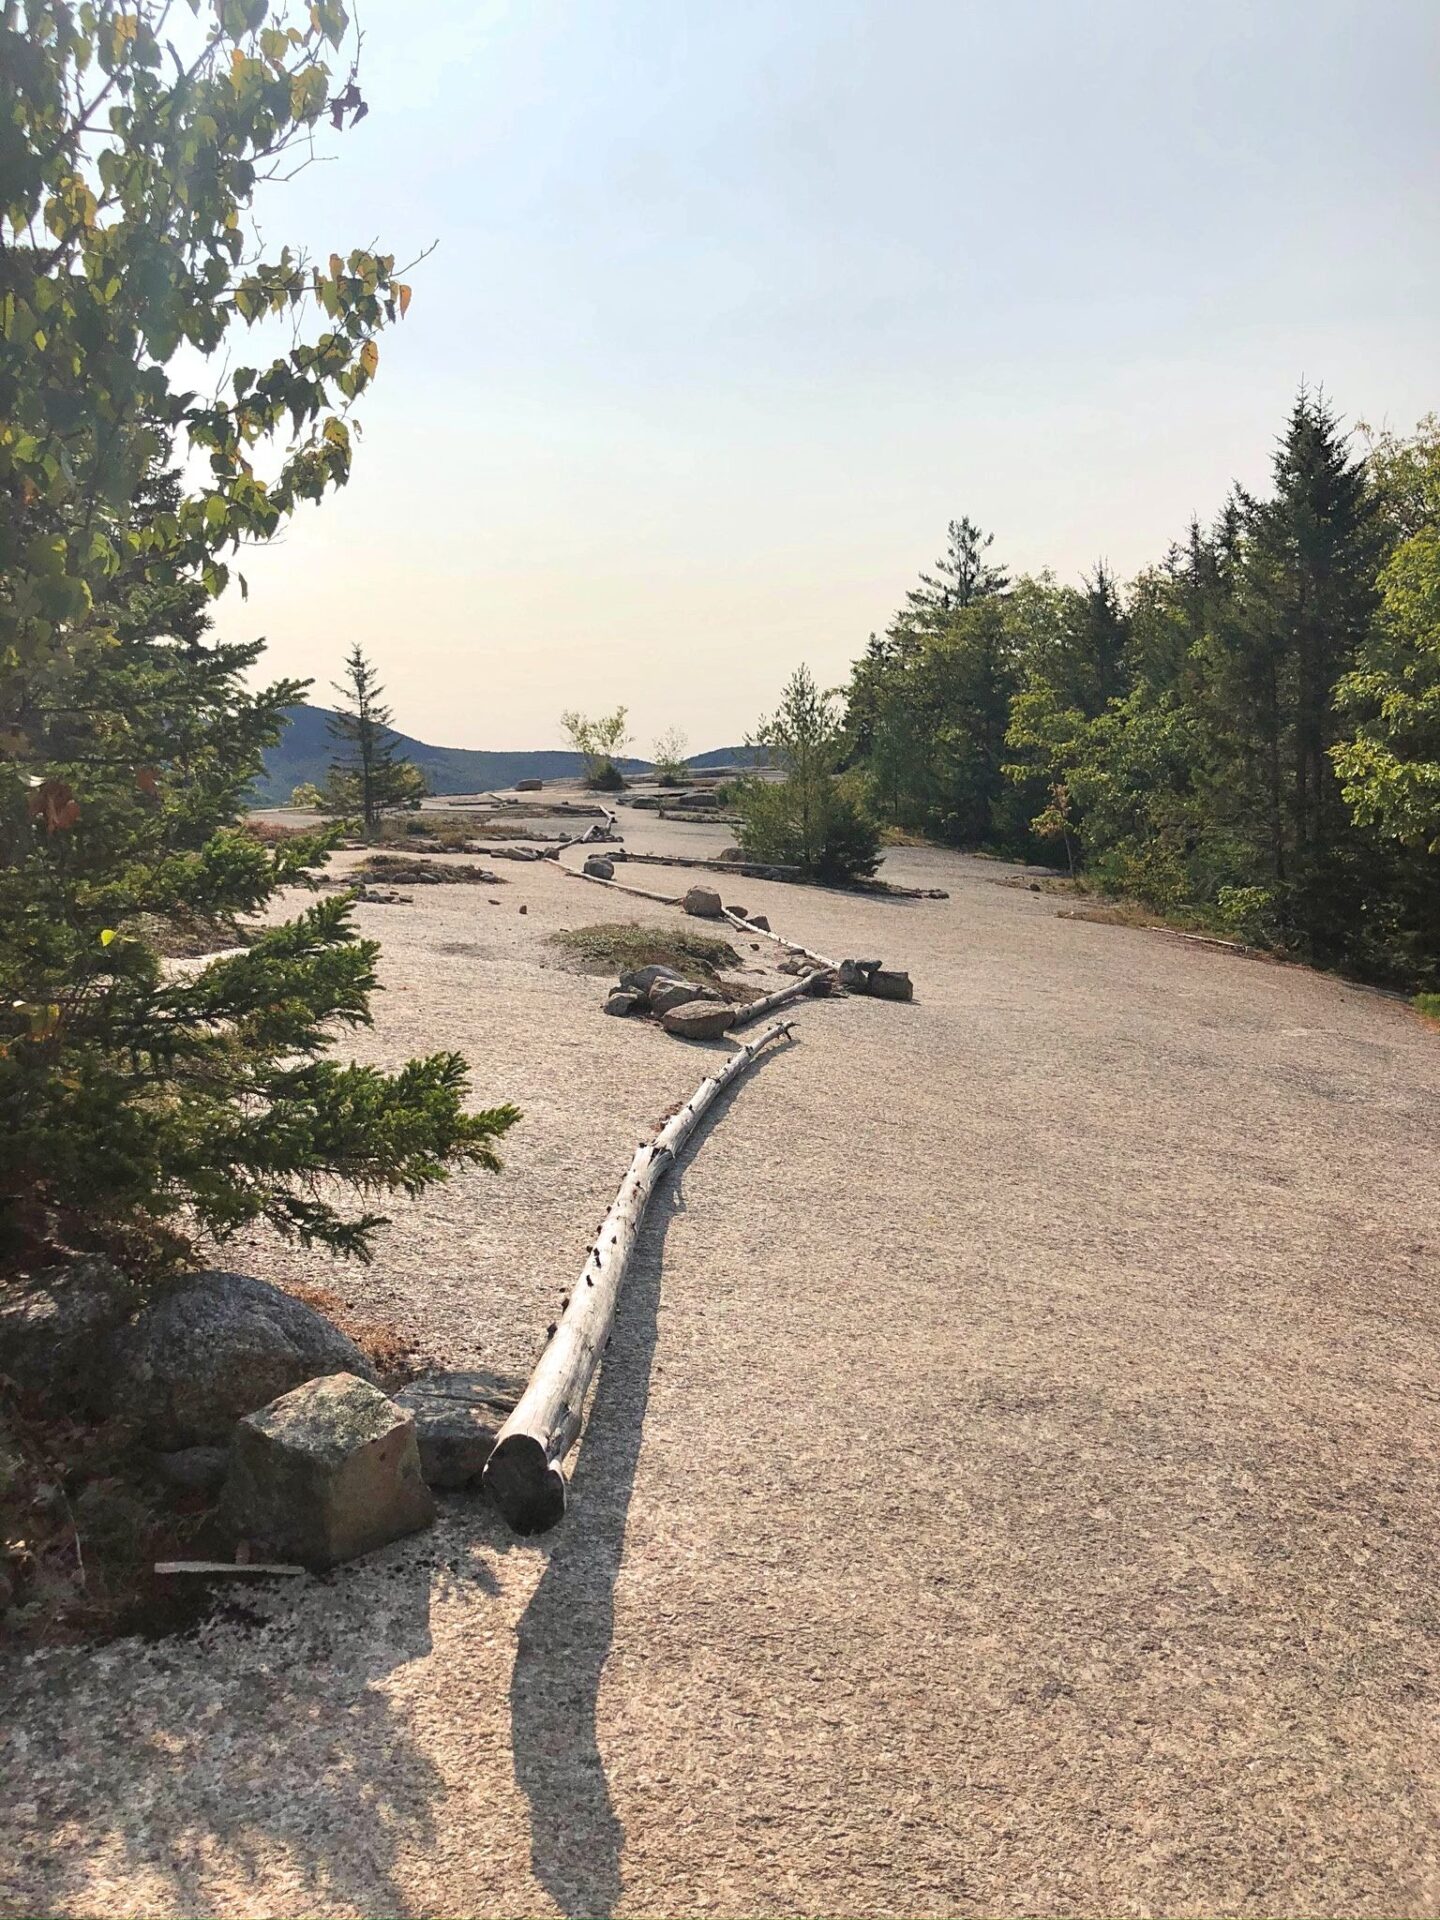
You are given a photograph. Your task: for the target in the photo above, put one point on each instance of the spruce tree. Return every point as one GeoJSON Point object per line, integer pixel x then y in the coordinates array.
{"type": "Point", "coordinates": [139, 1105]}
{"type": "Point", "coordinates": [1305, 596]}
{"type": "Point", "coordinates": [369, 774]}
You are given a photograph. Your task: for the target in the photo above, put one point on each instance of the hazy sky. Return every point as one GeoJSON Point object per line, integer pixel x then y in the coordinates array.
{"type": "Point", "coordinates": [735, 304]}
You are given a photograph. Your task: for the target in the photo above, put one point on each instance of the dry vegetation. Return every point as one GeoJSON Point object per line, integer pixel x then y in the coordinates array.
{"type": "Point", "coordinates": [616, 946]}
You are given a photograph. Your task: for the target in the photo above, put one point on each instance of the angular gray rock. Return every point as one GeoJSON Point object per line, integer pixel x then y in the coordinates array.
{"type": "Point", "coordinates": [194, 1469]}
{"type": "Point", "coordinates": [213, 1347]}
{"type": "Point", "coordinates": [457, 1416]}
{"type": "Point", "coordinates": [739, 912]}
{"type": "Point", "coordinates": [622, 1002]}
{"type": "Point", "coordinates": [700, 1020]}
{"type": "Point", "coordinates": [887, 983]}
{"type": "Point", "coordinates": [703, 903]}
{"type": "Point", "coordinates": [641, 979]}
{"type": "Point", "coordinates": [759, 920]}
{"type": "Point", "coordinates": [599, 868]}
{"type": "Point", "coordinates": [854, 974]}
{"type": "Point", "coordinates": [528, 786]}
{"type": "Point", "coordinates": [666, 994]}
{"type": "Point", "coordinates": [328, 1471]}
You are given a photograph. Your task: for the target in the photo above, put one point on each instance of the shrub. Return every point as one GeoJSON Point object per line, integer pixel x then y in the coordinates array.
{"type": "Point", "coordinates": [807, 819]}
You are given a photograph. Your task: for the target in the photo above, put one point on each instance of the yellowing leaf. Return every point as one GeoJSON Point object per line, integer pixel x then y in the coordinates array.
{"type": "Point", "coordinates": [107, 934]}
{"type": "Point", "coordinates": [370, 357]}
{"type": "Point", "coordinates": [402, 296]}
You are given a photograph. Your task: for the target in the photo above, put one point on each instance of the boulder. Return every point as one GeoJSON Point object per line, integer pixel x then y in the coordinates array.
{"type": "Point", "coordinates": [214, 1347]}
{"type": "Point", "coordinates": [328, 1471]}
{"type": "Point", "coordinates": [599, 868]}
{"type": "Point", "coordinates": [887, 983]}
{"type": "Point", "coordinates": [457, 1416]}
{"type": "Point", "coordinates": [641, 979]}
{"type": "Point", "coordinates": [666, 994]}
{"type": "Point", "coordinates": [703, 903]}
{"type": "Point", "coordinates": [194, 1469]}
{"type": "Point", "coordinates": [854, 974]}
{"type": "Point", "coordinates": [54, 1324]}
{"type": "Point", "coordinates": [528, 786]}
{"type": "Point", "coordinates": [739, 912]}
{"type": "Point", "coordinates": [699, 1020]}
{"type": "Point", "coordinates": [621, 1002]}
{"type": "Point", "coordinates": [699, 798]}
{"type": "Point", "coordinates": [759, 920]}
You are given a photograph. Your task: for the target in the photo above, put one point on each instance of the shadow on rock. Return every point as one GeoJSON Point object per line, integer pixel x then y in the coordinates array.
{"type": "Point", "coordinates": [262, 1750]}
{"type": "Point", "coordinates": [565, 1634]}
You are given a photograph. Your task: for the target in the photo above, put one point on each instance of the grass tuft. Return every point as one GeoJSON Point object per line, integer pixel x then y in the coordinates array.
{"type": "Point", "coordinates": [616, 946]}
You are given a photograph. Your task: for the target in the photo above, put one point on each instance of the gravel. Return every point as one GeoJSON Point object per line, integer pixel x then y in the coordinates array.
{"type": "Point", "coordinates": [1012, 1489]}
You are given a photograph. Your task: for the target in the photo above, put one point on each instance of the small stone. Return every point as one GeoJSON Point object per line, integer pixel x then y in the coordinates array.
{"type": "Point", "coordinates": [326, 1472]}
{"type": "Point", "coordinates": [641, 979]}
{"type": "Point", "coordinates": [599, 868]}
{"type": "Point", "coordinates": [457, 1416]}
{"type": "Point", "coordinates": [194, 1469]}
{"type": "Point", "coordinates": [739, 912]}
{"type": "Point", "coordinates": [699, 1020]}
{"type": "Point", "coordinates": [622, 1003]}
{"type": "Point", "coordinates": [524, 909]}
{"type": "Point", "coordinates": [703, 903]}
{"type": "Point", "coordinates": [759, 920]}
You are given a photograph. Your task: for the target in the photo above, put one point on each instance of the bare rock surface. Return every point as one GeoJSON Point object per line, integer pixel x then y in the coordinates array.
{"type": "Point", "coordinates": [1013, 1487]}
{"type": "Point", "coordinates": [325, 1473]}
{"type": "Point", "coordinates": [213, 1347]}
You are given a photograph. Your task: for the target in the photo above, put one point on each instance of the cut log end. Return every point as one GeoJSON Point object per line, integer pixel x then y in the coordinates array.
{"type": "Point", "coordinates": [525, 1485]}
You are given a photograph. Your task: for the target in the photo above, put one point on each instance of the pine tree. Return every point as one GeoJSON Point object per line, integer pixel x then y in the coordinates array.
{"type": "Point", "coordinates": [369, 774]}
{"type": "Point", "coordinates": [962, 576]}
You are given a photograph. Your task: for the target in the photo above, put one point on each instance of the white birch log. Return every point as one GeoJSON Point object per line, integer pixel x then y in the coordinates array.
{"type": "Point", "coordinates": [523, 1474]}
{"type": "Point", "coordinates": [770, 1003]}
{"type": "Point", "coordinates": [791, 946]}
{"type": "Point", "coordinates": [642, 893]}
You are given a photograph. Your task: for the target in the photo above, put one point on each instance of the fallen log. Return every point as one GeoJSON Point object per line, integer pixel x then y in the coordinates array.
{"type": "Point", "coordinates": [791, 946]}
{"type": "Point", "coordinates": [782, 997]}
{"type": "Point", "coordinates": [523, 1474]}
{"type": "Point", "coordinates": [644, 893]}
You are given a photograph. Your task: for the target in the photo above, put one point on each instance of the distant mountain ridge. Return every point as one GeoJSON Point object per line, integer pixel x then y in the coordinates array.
{"type": "Point", "coordinates": [306, 750]}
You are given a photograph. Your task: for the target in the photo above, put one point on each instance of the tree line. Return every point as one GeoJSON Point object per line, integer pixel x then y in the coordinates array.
{"type": "Point", "coordinates": [1247, 734]}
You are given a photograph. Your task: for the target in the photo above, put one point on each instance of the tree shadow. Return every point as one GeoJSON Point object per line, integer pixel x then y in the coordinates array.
{"type": "Point", "coordinates": [564, 1638]}
{"type": "Point", "coordinates": [264, 1745]}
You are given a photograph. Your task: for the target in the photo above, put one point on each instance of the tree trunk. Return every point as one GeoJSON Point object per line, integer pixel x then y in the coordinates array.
{"type": "Point", "coordinates": [772, 1002]}
{"type": "Point", "coordinates": [744, 926]}
{"type": "Point", "coordinates": [523, 1473]}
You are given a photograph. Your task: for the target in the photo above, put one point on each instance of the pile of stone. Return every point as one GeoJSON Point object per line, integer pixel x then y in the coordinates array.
{"type": "Point", "coordinates": [681, 1007]}
{"type": "Point", "coordinates": [240, 1390]}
